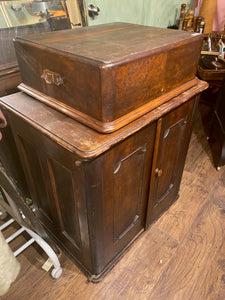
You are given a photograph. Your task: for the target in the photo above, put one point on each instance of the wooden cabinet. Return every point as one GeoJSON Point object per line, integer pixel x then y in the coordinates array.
{"type": "Point", "coordinates": [96, 193]}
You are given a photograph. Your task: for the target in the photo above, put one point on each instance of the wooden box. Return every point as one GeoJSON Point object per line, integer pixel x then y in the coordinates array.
{"type": "Point", "coordinates": [108, 75]}
{"type": "Point", "coordinates": [96, 193]}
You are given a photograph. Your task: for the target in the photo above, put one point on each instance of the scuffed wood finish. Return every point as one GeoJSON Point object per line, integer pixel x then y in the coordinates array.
{"type": "Point", "coordinates": [9, 158]}
{"type": "Point", "coordinates": [180, 257]}
{"type": "Point", "coordinates": [9, 79]}
{"type": "Point", "coordinates": [107, 127]}
{"type": "Point", "coordinates": [84, 141]}
{"type": "Point", "coordinates": [103, 75]}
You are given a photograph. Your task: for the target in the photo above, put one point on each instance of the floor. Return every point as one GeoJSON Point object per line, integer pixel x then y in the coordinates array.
{"type": "Point", "coordinates": [182, 255]}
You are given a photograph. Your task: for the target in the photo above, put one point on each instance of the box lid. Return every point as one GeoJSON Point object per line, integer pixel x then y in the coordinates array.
{"type": "Point", "coordinates": [109, 43]}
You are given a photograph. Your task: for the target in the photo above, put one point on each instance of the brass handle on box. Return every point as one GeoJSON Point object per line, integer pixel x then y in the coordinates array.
{"type": "Point", "coordinates": [158, 172]}
{"type": "Point", "coordinates": [52, 77]}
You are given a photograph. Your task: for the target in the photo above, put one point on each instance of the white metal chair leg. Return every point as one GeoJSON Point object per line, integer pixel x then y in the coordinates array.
{"type": "Point", "coordinates": [3, 213]}
{"type": "Point", "coordinates": [6, 224]}
{"type": "Point", "coordinates": [15, 206]}
{"type": "Point", "coordinates": [57, 271]}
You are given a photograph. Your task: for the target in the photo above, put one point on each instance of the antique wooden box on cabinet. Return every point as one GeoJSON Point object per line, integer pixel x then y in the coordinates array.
{"type": "Point", "coordinates": [96, 193]}
{"type": "Point", "coordinates": [105, 76]}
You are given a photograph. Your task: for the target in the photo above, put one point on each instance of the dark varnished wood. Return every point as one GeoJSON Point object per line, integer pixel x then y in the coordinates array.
{"type": "Point", "coordinates": [84, 141]}
{"type": "Point", "coordinates": [9, 157]}
{"type": "Point", "coordinates": [9, 79]}
{"type": "Point", "coordinates": [101, 75]}
{"type": "Point", "coordinates": [108, 126]}
{"type": "Point", "coordinates": [217, 131]}
{"type": "Point", "coordinates": [90, 189]}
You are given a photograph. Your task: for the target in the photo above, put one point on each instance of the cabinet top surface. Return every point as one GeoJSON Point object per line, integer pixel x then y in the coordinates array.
{"type": "Point", "coordinates": [109, 43]}
{"type": "Point", "coordinates": [78, 138]}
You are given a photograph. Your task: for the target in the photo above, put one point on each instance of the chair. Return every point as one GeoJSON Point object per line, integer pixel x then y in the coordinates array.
{"type": "Point", "coordinates": [14, 203]}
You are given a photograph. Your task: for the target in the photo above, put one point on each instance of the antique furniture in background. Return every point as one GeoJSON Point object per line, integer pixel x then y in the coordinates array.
{"type": "Point", "coordinates": [217, 130]}
{"type": "Point", "coordinates": [212, 70]}
{"type": "Point", "coordinates": [18, 18]}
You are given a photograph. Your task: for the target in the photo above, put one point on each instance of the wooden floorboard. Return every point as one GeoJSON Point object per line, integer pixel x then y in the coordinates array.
{"type": "Point", "coordinates": [183, 276]}
{"type": "Point", "coordinates": [181, 256]}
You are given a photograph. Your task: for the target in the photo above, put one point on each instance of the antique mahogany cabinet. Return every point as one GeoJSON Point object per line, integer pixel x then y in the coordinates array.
{"type": "Point", "coordinates": [96, 193]}
{"type": "Point", "coordinates": [102, 131]}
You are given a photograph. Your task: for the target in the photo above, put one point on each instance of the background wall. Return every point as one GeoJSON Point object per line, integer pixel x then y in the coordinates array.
{"type": "Point", "coordinates": [159, 13]}
{"type": "Point", "coordinates": [162, 13]}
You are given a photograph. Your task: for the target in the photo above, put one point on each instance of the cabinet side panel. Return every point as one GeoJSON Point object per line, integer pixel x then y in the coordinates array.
{"type": "Point", "coordinates": [93, 188]}
{"type": "Point", "coordinates": [9, 157]}
{"type": "Point", "coordinates": [128, 191]}
{"type": "Point", "coordinates": [35, 175]}
{"type": "Point", "coordinates": [62, 187]}
{"type": "Point", "coordinates": [57, 188]}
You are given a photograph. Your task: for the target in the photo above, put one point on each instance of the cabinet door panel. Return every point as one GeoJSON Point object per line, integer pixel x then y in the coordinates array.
{"type": "Point", "coordinates": [172, 140]}
{"type": "Point", "coordinates": [128, 191]}
{"type": "Point", "coordinates": [62, 187]}
{"type": "Point", "coordinates": [35, 177]}
{"type": "Point", "coordinates": [168, 159]}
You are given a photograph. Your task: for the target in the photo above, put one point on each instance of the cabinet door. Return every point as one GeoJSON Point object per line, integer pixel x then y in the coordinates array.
{"type": "Point", "coordinates": [117, 195]}
{"type": "Point", "coordinates": [172, 140]}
